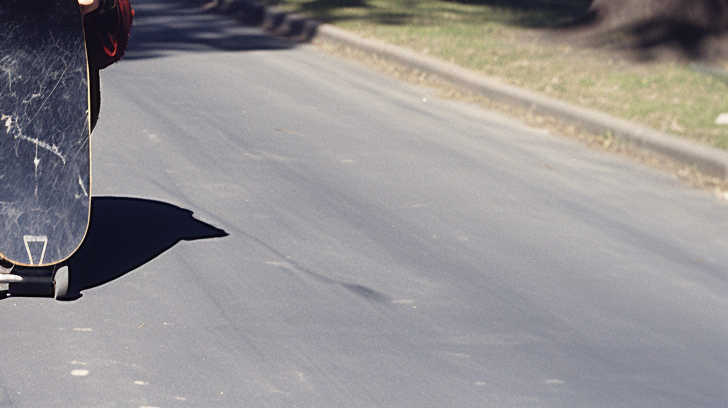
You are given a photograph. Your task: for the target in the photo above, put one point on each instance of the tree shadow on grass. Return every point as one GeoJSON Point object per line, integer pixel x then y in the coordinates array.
{"type": "Point", "coordinates": [325, 10]}
{"type": "Point", "coordinates": [647, 39]}
{"type": "Point", "coordinates": [538, 13]}
{"type": "Point", "coordinates": [527, 13]}
{"type": "Point", "coordinates": [658, 33]}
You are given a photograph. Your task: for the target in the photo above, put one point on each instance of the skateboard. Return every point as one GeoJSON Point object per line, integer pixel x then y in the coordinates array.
{"type": "Point", "coordinates": [45, 161]}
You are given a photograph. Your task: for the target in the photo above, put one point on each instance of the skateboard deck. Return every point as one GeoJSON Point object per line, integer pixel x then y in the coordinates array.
{"type": "Point", "coordinates": [45, 161]}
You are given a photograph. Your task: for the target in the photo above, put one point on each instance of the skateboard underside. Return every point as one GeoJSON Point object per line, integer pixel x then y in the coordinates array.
{"type": "Point", "coordinates": [44, 131]}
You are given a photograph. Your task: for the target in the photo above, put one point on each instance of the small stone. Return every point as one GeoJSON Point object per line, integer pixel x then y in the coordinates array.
{"type": "Point", "coordinates": [722, 119]}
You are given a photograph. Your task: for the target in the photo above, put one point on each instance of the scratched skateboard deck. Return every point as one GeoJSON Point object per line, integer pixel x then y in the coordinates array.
{"type": "Point", "coordinates": [45, 162]}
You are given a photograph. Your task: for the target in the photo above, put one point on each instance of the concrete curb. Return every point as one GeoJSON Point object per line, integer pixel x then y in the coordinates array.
{"type": "Point", "coordinates": [706, 159]}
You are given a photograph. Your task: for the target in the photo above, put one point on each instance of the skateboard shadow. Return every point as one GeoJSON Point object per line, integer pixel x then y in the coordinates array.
{"type": "Point", "coordinates": [126, 233]}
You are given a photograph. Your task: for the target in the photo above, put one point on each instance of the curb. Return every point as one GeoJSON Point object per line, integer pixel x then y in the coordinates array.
{"type": "Point", "coordinates": [706, 159]}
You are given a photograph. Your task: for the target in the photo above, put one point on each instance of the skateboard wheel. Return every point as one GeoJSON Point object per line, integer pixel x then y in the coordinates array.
{"type": "Point", "coordinates": [60, 282]}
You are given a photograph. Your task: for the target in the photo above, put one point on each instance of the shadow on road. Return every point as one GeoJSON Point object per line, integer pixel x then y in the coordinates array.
{"type": "Point", "coordinates": [126, 233]}
{"type": "Point", "coordinates": [164, 26]}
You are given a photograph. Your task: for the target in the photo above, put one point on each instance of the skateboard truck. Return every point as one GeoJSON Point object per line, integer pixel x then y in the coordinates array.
{"type": "Point", "coordinates": [48, 281]}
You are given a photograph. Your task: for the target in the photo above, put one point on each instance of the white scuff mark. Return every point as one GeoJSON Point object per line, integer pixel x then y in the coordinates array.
{"type": "Point", "coordinates": [79, 373]}
{"type": "Point", "coordinates": [285, 265]}
{"type": "Point", "coordinates": [140, 383]}
{"type": "Point", "coordinates": [277, 391]}
{"type": "Point", "coordinates": [12, 127]}
{"type": "Point", "coordinates": [480, 384]}
{"type": "Point", "coordinates": [407, 301]}
{"type": "Point", "coordinates": [290, 132]}
{"type": "Point", "coordinates": [30, 99]}
{"type": "Point", "coordinates": [553, 381]}
{"type": "Point", "coordinates": [8, 123]}
{"type": "Point", "coordinates": [83, 188]}
{"type": "Point", "coordinates": [83, 329]}
{"type": "Point", "coordinates": [39, 143]}
{"type": "Point", "coordinates": [722, 119]}
{"type": "Point", "coordinates": [180, 398]}
{"type": "Point", "coordinates": [459, 356]}
{"type": "Point", "coordinates": [78, 363]}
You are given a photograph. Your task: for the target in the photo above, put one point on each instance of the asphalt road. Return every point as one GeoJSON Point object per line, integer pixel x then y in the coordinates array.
{"type": "Point", "coordinates": [274, 227]}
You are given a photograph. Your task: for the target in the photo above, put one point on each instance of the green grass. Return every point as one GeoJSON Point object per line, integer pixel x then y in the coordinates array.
{"type": "Point", "coordinates": [508, 39]}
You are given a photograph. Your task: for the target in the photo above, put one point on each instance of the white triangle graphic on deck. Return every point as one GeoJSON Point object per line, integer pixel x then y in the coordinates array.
{"type": "Point", "coordinates": [32, 245]}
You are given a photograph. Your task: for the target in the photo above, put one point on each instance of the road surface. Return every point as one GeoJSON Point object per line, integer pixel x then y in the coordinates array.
{"type": "Point", "coordinates": [275, 227]}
